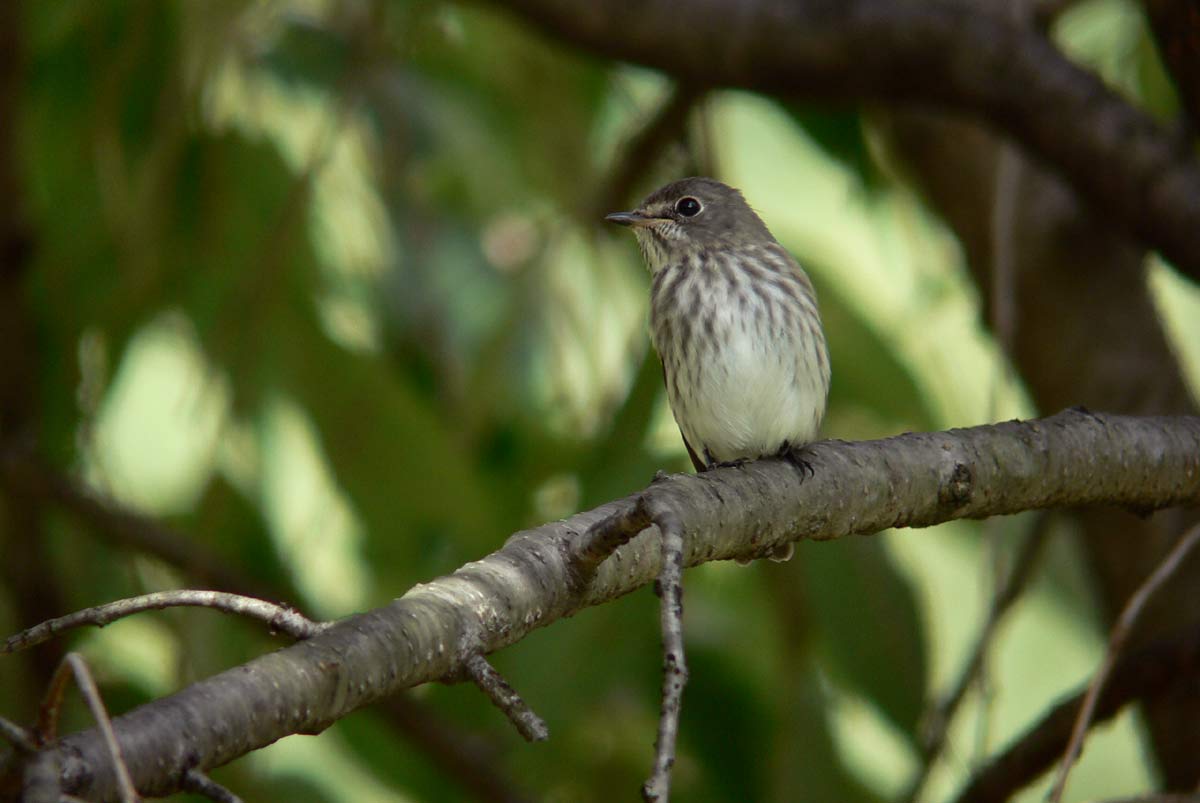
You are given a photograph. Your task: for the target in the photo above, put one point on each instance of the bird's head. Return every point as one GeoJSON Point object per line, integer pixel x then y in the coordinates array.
{"type": "Point", "coordinates": [689, 216]}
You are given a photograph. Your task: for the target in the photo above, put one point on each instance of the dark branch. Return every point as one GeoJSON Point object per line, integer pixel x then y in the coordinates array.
{"type": "Point", "coordinates": [935, 53]}
{"type": "Point", "coordinates": [200, 784]}
{"type": "Point", "coordinates": [1139, 676]}
{"type": "Point", "coordinates": [531, 727]}
{"type": "Point", "coordinates": [1121, 632]}
{"type": "Point", "coordinates": [938, 720]}
{"type": "Point", "coordinates": [1069, 460]}
{"type": "Point", "coordinates": [73, 666]}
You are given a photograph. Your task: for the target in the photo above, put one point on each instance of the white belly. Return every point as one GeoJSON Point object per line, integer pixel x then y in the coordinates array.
{"type": "Point", "coordinates": [750, 397]}
{"type": "Point", "coordinates": [743, 351]}
{"type": "Point", "coordinates": [741, 389]}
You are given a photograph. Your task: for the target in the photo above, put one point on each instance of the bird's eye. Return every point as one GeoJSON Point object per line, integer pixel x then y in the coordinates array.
{"type": "Point", "coordinates": [688, 207]}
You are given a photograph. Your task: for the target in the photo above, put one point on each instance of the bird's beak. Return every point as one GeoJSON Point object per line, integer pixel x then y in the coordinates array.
{"type": "Point", "coordinates": [635, 219]}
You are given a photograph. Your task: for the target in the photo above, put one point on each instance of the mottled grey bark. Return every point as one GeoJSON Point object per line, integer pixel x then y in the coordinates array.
{"type": "Point", "coordinates": [1073, 459]}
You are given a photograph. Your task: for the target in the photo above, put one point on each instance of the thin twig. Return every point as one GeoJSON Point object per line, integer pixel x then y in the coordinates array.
{"type": "Point", "coordinates": [460, 755]}
{"type": "Point", "coordinates": [1072, 459]}
{"type": "Point", "coordinates": [21, 738]}
{"type": "Point", "coordinates": [1120, 634]}
{"type": "Point", "coordinates": [198, 783]}
{"type": "Point", "coordinates": [1150, 673]}
{"type": "Point", "coordinates": [675, 674]}
{"type": "Point", "coordinates": [503, 696]}
{"type": "Point", "coordinates": [608, 535]}
{"type": "Point", "coordinates": [937, 721]}
{"type": "Point", "coordinates": [48, 711]}
{"type": "Point", "coordinates": [280, 618]}
{"type": "Point", "coordinates": [73, 664]}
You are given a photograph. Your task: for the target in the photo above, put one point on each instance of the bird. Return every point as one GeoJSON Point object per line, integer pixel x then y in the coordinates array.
{"type": "Point", "coordinates": [734, 319]}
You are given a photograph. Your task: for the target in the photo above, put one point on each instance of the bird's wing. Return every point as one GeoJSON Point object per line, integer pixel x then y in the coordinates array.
{"type": "Point", "coordinates": [696, 461]}
{"type": "Point", "coordinates": [784, 258]}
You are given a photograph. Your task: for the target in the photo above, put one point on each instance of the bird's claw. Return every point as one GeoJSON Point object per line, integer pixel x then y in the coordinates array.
{"type": "Point", "coordinates": [794, 455]}
{"type": "Point", "coordinates": [741, 461]}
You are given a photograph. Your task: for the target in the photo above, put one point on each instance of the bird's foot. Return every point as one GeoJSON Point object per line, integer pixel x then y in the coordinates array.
{"type": "Point", "coordinates": [711, 462]}
{"type": "Point", "coordinates": [795, 456]}
{"type": "Point", "coordinates": [741, 461]}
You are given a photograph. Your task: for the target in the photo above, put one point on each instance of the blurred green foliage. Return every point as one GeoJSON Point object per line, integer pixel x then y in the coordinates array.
{"type": "Point", "coordinates": [314, 286]}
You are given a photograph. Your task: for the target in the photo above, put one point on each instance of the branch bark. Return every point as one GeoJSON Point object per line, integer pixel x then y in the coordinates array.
{"type": "Point", "coordinates": [938, 53]}
{"type": "Point", "coordinates": [1072, 459]}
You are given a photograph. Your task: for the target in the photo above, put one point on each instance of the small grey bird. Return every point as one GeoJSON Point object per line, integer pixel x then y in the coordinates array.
{"type": "Point", "coordinates": [734, 319]}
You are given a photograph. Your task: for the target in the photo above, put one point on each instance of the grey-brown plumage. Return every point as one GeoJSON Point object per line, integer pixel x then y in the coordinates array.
{"type": "Point", "coordinates": [734, 319]}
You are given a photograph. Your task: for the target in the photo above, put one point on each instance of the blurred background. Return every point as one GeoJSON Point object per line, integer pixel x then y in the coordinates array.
{"type": "Point", "coordinates": [314, 301]}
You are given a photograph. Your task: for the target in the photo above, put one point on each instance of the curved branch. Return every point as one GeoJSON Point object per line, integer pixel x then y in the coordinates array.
{"type": "Point", "coordinates": [938, 53]}
{"type": "Point", "coordinates": [1072, 459]}
{"type": "Point", "coordinates": [280, 618]}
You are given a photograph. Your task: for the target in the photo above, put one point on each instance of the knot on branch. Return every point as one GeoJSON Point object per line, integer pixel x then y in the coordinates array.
{"type": "Point", "coordinates": [955, 490]}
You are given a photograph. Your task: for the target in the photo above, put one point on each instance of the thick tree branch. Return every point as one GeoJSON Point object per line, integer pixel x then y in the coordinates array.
{"type": "Point", "coordinates": [1072, 459]}
{"type": "Point", "coordinates": [937, 53]}
{"type": "Point", "coordinates": [460, 755]}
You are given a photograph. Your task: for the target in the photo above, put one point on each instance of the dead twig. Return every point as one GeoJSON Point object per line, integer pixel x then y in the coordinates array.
{"type": "Point", "coordinates": [19, 737]}
{"type": "Point", "coordinates": [669, 588]}
{"type": "Point", "coordinates": [1116, 642]}
{"type": "Point", "coordinates": [47, 732]}
{"type": "Point", "coordinates": [1149, 673]}
{"type": "Point", "coordinates": [608, 535]}
{"type": "Point", "coordinates": [938, 719]}
{"type": "Point", "coordinates": [504, 696]}
{"type": "Point", "coordinates": [280, 618]}
{"type": "Point", "coordinates": [198, 783]}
